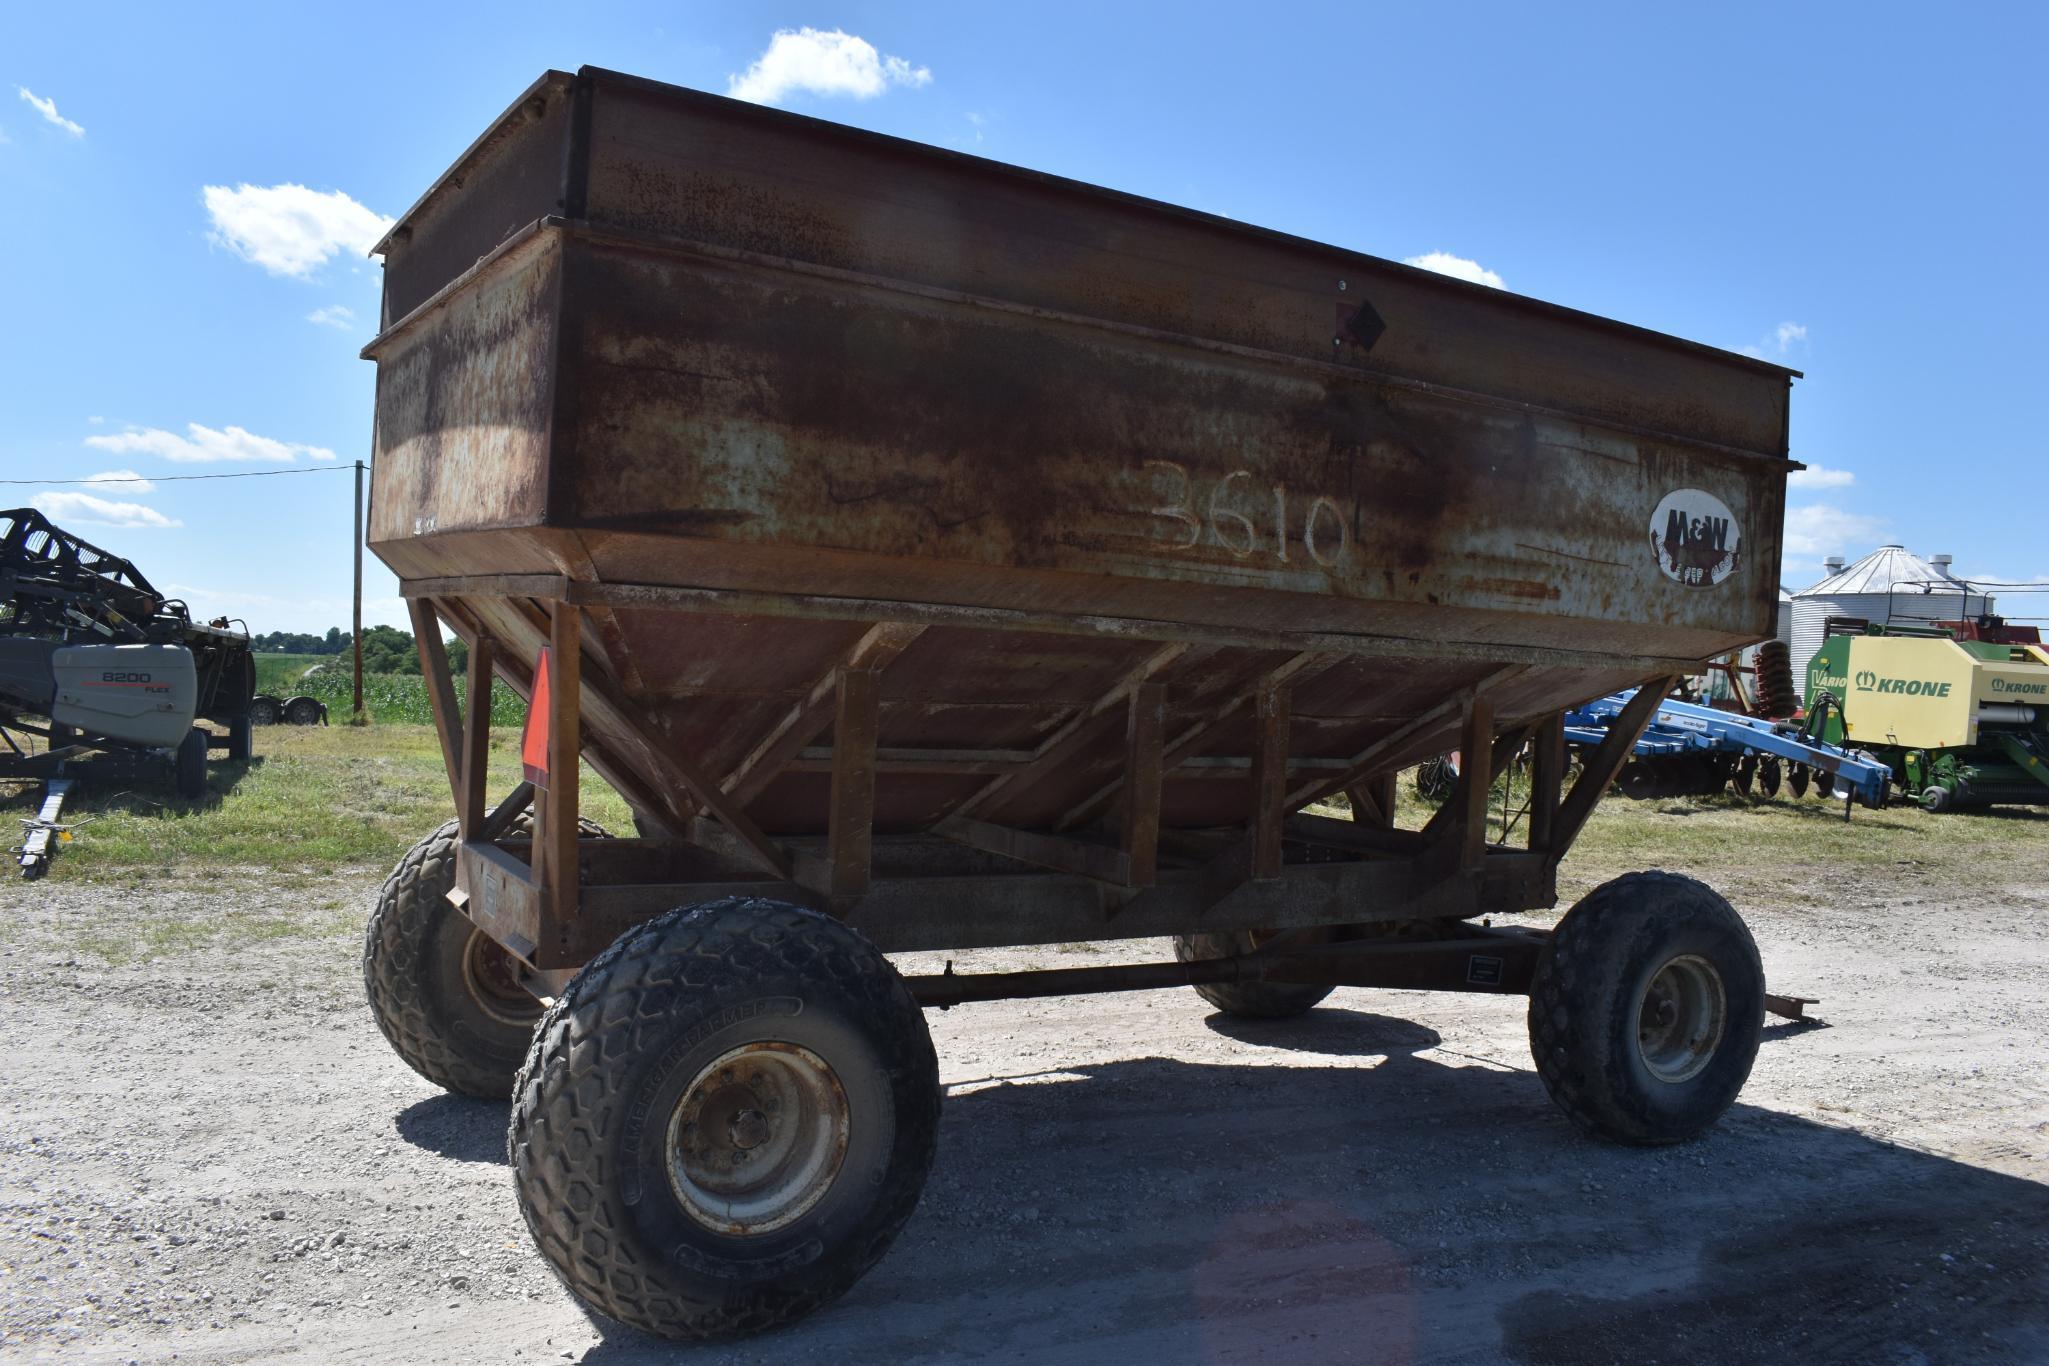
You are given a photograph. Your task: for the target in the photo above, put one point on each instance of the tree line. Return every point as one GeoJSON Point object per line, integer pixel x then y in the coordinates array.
{"type": "Point", "coordinates": [386, 649]}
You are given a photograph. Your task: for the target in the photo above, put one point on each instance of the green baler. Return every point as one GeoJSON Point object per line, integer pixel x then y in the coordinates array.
{"type": "Point", "coordinates": [1960, 710]}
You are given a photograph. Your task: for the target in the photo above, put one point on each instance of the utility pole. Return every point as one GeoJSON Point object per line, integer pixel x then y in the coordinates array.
{"type": "Point", "coordinates": [357, 713]}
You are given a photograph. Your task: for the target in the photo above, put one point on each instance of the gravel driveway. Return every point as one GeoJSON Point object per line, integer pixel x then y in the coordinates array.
{"type": "Point", "coordinates": [215, 1158]}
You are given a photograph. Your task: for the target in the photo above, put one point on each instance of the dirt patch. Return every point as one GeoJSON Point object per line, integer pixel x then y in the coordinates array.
{"type": "Point", "coordinates": [214, 1156]}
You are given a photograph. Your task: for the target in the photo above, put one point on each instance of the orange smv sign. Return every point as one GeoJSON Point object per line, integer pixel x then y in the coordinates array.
{"type": "Point", "coordinates": [533, 742]}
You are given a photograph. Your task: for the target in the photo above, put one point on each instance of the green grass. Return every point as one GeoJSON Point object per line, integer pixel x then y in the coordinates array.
{"type": "Point", "coordinates": [316, 801]}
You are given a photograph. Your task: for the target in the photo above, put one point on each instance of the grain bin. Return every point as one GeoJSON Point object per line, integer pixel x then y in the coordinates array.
{"type": "Point", "coordinates": [1890, 584]}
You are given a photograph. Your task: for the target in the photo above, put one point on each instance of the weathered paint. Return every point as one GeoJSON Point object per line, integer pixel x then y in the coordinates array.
{"type": "Point", "coordinates": [791, 363]}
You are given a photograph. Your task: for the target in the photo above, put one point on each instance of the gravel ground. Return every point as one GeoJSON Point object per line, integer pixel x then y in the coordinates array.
{"type": "Point", "coordinates": [215, 1158]}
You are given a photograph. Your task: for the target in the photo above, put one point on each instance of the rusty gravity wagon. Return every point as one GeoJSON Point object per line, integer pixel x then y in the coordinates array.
{"type": "Point", "coordinates": [936, 555]}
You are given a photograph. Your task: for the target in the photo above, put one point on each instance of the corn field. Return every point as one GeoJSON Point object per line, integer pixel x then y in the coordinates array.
{"type": "Point", "coordinates": [402, 697]}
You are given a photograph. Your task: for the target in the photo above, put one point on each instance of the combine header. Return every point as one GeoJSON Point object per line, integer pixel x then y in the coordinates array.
{"type": "Point", "coordinates": [107, 673]}
{"type": "Point", "coordinates": [937, 555]}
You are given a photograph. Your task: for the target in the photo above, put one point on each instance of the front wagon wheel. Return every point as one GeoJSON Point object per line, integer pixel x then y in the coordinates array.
{"type": "Point", "coordinates": [725, 1119]}
{"type": "Point", "coordinates": [447, 997]}
{"type": "Point", "coordinates": [1646, 1009]}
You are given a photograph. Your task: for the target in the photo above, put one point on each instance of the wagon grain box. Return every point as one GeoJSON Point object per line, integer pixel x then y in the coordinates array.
{"type": "Point", "coordinates": [937, 554]}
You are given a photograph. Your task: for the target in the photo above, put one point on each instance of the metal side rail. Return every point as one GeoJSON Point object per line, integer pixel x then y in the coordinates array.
{"type": "Point", "coordinates": [1684, 727]}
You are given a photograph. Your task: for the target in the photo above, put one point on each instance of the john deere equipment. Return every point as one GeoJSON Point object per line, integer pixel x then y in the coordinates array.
{"type": "Point", "coordinates": [1959, 710]}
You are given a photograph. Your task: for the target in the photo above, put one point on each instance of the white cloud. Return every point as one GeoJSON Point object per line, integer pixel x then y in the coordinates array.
{"type": "Point", "coordinates": [289, 229]}
{"type": "Point", "coordinates": [1822, 529]}
{"type": "Point", "coordinates": [201, 444]}
{"type": "Point", "coordinates": [334, 315]}
{"type": "Point", "coordinates": [87, 507]}
{"type": "Point", "coordinates": [129, 480]}
{"type": "Point", "coordinates": [1444, 263]}
{"type": "Point", "coordinates": [822, 62]}
{"type": "Point", "coordinates": [1780, 343]}
{"type": "Point", "coordinates": [48, 109]}
{"type": "Point", "coordinates": [1820, 477]}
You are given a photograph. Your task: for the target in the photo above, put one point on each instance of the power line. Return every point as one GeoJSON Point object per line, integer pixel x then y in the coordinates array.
{"type": "Point", "coordinates": [179, 478]}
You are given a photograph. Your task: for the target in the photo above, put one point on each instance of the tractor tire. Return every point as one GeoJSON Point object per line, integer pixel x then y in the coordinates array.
{"type": "Point", "coordinates": [725, 1120]}
{"type": "Point", "coordinates": [1246, 1000]}
{"type": "Point", "coordinates": [304, 711]}
{"type": "Point", "coordinates": [188, 765]}
{"type": "Point", "coordinates": [1645, 1009]}
{"type": "Point", "coordinates": [445, 994]}
{"type": "Point", "coordinates": [241, 740]}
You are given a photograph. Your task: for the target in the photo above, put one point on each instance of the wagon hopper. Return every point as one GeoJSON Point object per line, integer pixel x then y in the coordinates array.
{"type": "Point", "coordinates": [937, 554]}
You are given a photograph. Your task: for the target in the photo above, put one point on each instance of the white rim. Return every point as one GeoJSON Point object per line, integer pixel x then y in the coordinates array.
{"type": "Point", "coordinates": [1681, 1019]}
{"type": "Point", "coordinates": [757, 1138]}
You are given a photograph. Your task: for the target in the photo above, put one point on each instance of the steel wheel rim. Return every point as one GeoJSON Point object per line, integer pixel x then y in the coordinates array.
{"type": "Point", "coordinates": [493, 983]}
{"type": "Point", "coordinates": [757, 1138]}
{"type": "Point", "coordinates": [1681, 1019]}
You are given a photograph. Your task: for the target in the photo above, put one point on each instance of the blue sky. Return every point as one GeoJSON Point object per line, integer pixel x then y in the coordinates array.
{"type": "Point", "coordinates": [1857, 191]}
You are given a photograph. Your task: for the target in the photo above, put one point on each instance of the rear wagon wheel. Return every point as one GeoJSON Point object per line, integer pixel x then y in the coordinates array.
{"type": "Point", "coordinates": [725, 1119]}
{"type": "Point", "coordinates": [1646, 1009]}
{"type": "Point", "coordinates": [1247, 1000]}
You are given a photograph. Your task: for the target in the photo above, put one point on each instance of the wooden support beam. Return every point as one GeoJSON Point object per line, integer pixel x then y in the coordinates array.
{"type": "Point", "coordinates": [1192, 738]}
{"type": "Point", "coordinates": [440, 690]}
{"type": "Point", "coordinates": [1547, 778]}
{"type": "Point", "coordinates": [1476, 781]}
{"type": "Point", "coordinates": [555, 829]}
{"type": "Point", "coordinates": [505, 813]}
{"type": "Point", "coordinates": [476, 740]}
{"type": "Point", "coordinates": [1072, 735]}
{"type": "Point", "coordinates": [1144, 735]}
{"type": "Point", "coordinates": [1373, 801]}
{"type": "Point", "coordinates": [1041, 850]}
{"type": "Point", "coordinates": [807, 719]}
{"type": "Point", "coordinates": [1354, 836]}
{"type": "Point", "coordinates": [1269, 780]}
{"type": "Point", "coordinates": [850, 832]}
{"type": "Point", "coordinates": [1604, 763]}
{"type": "Point", "coordinates": [1376, 754]}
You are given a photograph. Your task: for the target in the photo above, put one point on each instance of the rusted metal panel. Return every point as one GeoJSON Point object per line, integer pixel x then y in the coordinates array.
{"type": "Point", "coordinates": [752, 390]}
{"type": "Point", "coordinates": [663, 161]}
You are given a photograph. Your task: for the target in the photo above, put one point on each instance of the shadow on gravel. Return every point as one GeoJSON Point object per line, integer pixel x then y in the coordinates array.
{"type": "Point", "coordinates": [1339, 1033]}
{"type": "Point", "coordinates": [456, 1127]}
{"type": "Point", "coordinates": [1414, 1210]}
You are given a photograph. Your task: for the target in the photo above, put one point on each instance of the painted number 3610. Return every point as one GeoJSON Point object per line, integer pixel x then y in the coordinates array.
{"type": "Point", "coordinates": [1247, 517]}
